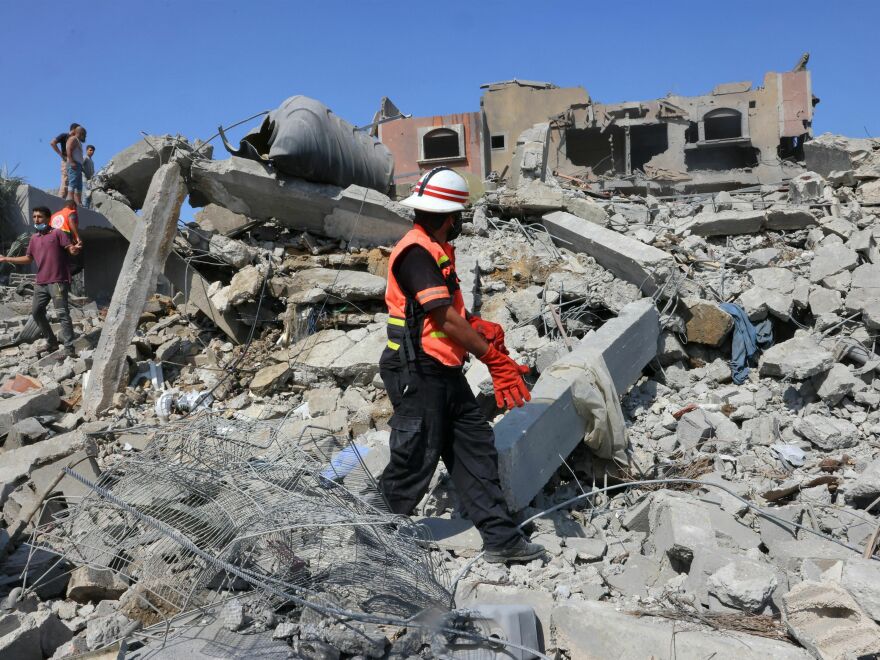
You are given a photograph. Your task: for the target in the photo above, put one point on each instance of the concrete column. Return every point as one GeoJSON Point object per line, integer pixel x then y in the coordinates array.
{"type": "Point", "coordinates": [532, 440]}
{"type": "Point", "coordinates": [148, 248]}
{"type": "Point", "coordinates": [627, 148]}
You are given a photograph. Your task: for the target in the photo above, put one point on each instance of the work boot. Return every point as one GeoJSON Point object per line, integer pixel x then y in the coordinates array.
{"type": "Point", "coordinates": [522, 550]}
{"type": "Point", "coordinates": [70, 351]}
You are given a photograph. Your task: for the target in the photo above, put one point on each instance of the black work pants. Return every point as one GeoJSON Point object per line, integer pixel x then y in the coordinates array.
{"type": "Point", "coordinates": [57, 293]}
{"type": "Point", "coordinates": [438, 417]}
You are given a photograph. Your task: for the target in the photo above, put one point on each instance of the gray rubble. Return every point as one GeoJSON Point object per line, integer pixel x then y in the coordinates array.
{"type": "Point", "coordinates": [275, 312]}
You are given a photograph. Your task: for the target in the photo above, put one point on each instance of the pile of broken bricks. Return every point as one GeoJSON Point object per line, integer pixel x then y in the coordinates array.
{"type": "Point", "coordinates": [768, 519]}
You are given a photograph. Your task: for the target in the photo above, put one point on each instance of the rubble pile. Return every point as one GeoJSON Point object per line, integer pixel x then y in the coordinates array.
{"type": "Point", "coordinates": [742, 516]}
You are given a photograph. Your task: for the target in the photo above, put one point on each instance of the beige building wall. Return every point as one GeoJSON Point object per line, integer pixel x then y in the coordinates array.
{"type": "Point", "coordinates": [510, 108]}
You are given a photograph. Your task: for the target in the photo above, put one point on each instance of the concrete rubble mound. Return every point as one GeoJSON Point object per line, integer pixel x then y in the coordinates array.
{"type": "Point", "coordinates": [700, 456]}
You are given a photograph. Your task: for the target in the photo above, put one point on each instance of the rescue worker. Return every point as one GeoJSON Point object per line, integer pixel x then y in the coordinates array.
{"type": "Point", "coordinates": [67, 221]}
{"type": "Point", "coordinates": [435, 413]}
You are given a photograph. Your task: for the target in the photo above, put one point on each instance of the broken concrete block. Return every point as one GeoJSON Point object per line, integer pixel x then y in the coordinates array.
{"type": "Point", "coordinates": [271, 378]}
{"type": "Point", "coordinates": [830, 260]}
{"type": "Point", "coordinates": [744, 585]}
{"type": "Point", "coordinates": [525, 459]}
{"type": "Point", "coordinates": [789, 219]}
{"type": "Point", "coordinates": [21, 406]}
{"type": "Point", "coordinates": [861, 577]}
{"type": "Point", "coordinates": [834, 384]}
{"type": "Point", "coordinates": [706, 323]}
{"type": "Point", "coordinates": [725, 223]}
{"type": "Point", "coordinates": [92, 584]}
{"type": "Point", "coordinates": [693, 428]}
{"type": "Point", "coordinates": [148, 249]}
{"type": "Point", "coordinates": [247, 187]}
{"type": "Point", "coordinates": [826, 432]}
{"type": "Point", "coordinates": [862, 490]}
{"type": "Point", "coordinates": [636, 576]}
{"type": "Point", "coordinates": [26, 432]}
{"type": "Point", "coordinates": [342, 285]}
{"type": "Point", "coordinates": [586, 209]}
{"type": "Point", "coordinates": [351, 356]}
{"type": "Point", "coordinates": [21, 640]}
{"type": "Point", "coordinates": [245, 285]}
{"type": "Point", "coordinates": [829, 152]}
{"type": "Point", "coordinates": [631, 260]}
{"type": "Point", "coordinates": [828, 621]}
{"type": "Point", "coordinates": [17, 464]}
{"type": "Point", "coordinates": [537, 196]}
{"type": "Point", "coordinates": [53, 633]}
{"type": "Point", "coordinates": [670, 349]}
{"type": "Point", "coordinates": [322, 400]}
{"type": "Point", "coordinates": [680, 528]}
{"type": "Point", "coordinates": [805, 188]}
{"type": "Point", "coordinates": [216, 218]}
{"type": "Point", "coordinates": [231, 251]}
{"type": "Point", "coordinates": [754, 302]}
{"type": "Point", "coordinates": [825, 301]}
{"type": "Point", "coordinates": [798, 359]}
{"type": "Point", "coordinates": [131, 170]}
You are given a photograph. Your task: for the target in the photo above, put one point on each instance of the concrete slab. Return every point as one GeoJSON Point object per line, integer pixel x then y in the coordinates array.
{"type": "Point", "coordinates": [629, 259]}
{"type": "Point", "coordinates": [366, 217]}
{"type": "Point", "coordinates": [599, 630]}
{"type": "Point", "coordinates": [531, 439]}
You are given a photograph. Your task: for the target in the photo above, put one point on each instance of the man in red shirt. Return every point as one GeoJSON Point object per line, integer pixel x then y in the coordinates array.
{"type": "Point", "coordinates": [50, 249]}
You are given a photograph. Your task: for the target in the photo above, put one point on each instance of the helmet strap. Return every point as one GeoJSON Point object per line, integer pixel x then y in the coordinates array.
{"type": "Point", "coordinates": [428, 176]}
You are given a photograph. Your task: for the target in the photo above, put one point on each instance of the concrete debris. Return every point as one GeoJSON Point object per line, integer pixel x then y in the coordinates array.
{"type": "Point", "coordinates": [270, 306]}
{"type": "Point", "coordinates": [797, 358]}
{"type": "Point", "coordinates": [828, 621]}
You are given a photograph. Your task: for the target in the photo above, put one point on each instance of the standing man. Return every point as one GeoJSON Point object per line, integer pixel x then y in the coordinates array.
{"type": "Point", "coordinates": [75, 159]}
{"type": "Point", "coordinates": [88, 172]}
{"type": "Point", "coordinates": [435, 413]}
{"type": "Point", "coordinates": [59, 146]}
{"type": "Point", "coordinates": [50, 249]}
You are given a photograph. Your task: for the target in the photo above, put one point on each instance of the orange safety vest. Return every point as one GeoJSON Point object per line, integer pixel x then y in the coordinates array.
{"type": "Point", "coordinates": [63, 219]}
{"type": "Point", "coordinates": [402, 315]}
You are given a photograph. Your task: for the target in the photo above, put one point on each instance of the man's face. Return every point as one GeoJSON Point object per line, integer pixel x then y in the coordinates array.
{"type": "Point", "coordinates": [90, 151]}
{"type": "Point", "coordinates": [81, 133]}
{"type": "Point", "coordinates": [40, 219]}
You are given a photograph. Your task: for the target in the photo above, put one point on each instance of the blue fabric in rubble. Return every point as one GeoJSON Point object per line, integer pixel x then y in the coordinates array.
{"type": "Point", "coordinates": [747, 339]}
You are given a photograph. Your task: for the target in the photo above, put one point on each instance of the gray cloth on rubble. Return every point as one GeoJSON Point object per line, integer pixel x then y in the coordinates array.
{"type": "Point", "coordinates": [596, 401]}
{"type": "Point", "coordinates": [303, 138]}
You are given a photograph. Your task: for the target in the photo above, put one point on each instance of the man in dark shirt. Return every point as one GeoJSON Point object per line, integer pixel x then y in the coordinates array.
{"type": "Point", "coordinates": [59, 146]}
{"type": "Point", "coordinates": [50, 249]}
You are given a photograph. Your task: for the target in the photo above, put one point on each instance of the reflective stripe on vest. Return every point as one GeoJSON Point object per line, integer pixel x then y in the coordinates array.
{"type": "Point", "coordinates": [434, 342]}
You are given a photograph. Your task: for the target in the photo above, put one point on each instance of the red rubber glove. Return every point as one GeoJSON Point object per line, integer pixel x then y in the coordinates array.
{"type": "Point", "coordinates": [510, 389]}
{"type": "Point", "coordinates": [491, 332]}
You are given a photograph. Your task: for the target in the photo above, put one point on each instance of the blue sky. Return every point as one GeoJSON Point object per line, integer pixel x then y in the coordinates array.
{"type": "Point", "coordinates": [184, 66]}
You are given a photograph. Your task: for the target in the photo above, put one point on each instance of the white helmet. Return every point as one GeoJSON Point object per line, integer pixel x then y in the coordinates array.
{"type": "Point", "coordinates": [439, 191]}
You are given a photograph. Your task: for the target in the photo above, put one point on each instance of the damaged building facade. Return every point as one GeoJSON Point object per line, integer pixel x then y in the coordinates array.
{"type": "Point", "coordinates": [737, 135]}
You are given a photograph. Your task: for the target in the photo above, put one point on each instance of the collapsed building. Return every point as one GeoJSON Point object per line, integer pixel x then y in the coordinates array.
{"type": "Point", "coordinates": [735, 136]}
{"type": "Point", "coordinates": [200, 479]}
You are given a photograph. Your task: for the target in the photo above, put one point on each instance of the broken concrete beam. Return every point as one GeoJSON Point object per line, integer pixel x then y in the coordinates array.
{"type": "Point", "coordinates": [364, 216]}
{"type": "Point", "coordinates": [28, 197]}
{"type": "Point", "coordinates": [599, 630]}
{"type": "Point", "coordinates": [629, 259]}
{"type": "Point", "coordinates": [88, 583]}
{"type": "Point", "coordinates": [148, 249]}
{"type": "Point", "coordinates": [531, 439]}
{"type": "Point", "coordinates": [181, 274]}
{"type": "Point", "coordinates": [729, 223]}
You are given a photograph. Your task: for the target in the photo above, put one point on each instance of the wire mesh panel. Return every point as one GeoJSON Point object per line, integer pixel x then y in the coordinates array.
{"type": "Point", "coordinates": [214, 505]}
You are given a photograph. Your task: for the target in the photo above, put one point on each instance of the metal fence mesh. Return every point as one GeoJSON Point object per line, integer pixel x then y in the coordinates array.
{"type": "Point", "coordinates": [214, 505]}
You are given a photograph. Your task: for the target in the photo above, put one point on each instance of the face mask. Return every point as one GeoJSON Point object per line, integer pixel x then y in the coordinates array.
{"type": "Point", "coordinates": [41, 227]}
{"type": "Point", "coordinates": [455, 230]}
